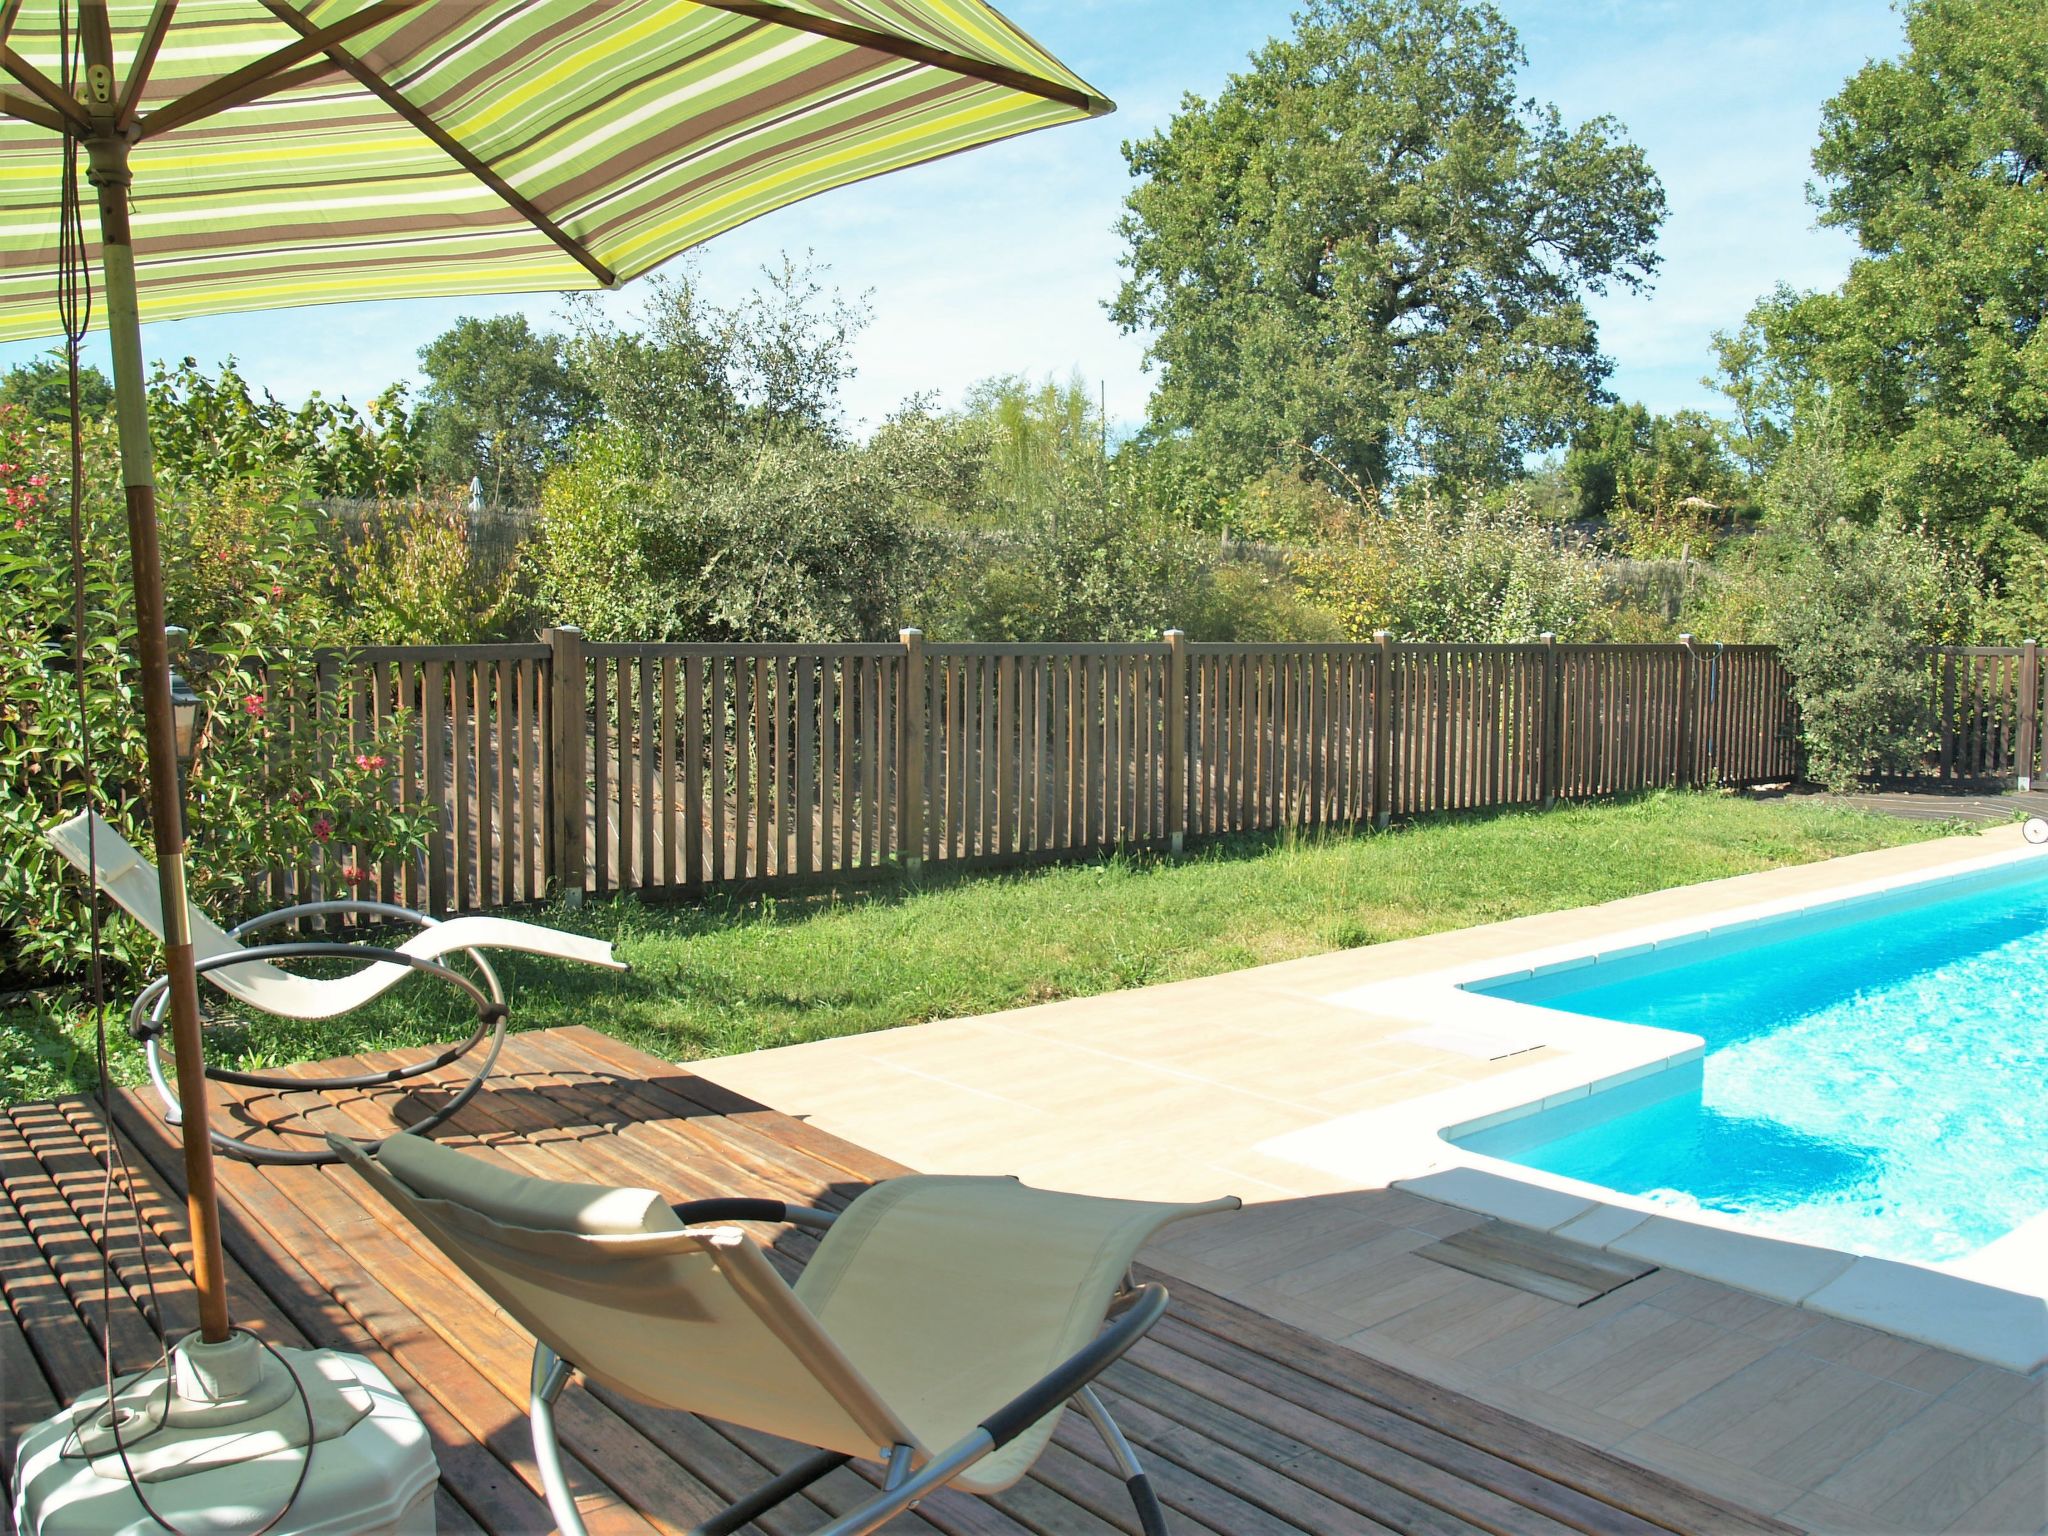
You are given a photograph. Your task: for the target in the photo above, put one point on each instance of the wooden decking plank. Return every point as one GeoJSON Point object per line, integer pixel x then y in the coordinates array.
{"type": "Point", "coordinates": [1188, 1491]}
{"type": "Point", "coordinates": [1624, 1485]}
{"type": "Point", "coordinates": [1530, 1487]}
{"type": "Point", "coordinates": [1267, 1486]}
{"type": "Point", "coordinates": [1264, 1446]}
{"type": "Point", "coordinates": [74, 1260]}
{"type": "Point", "coordinates": [1337, 1435]}
{"type": "Point", "coordinates": [708, 1098]}
{"type": "Point", "coordinates": [680, 1094]}
{"type": "Point", "coordinates": [748, 1154]}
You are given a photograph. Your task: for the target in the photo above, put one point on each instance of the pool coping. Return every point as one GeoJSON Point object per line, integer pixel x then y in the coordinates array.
{"type": "Point", "coordinates": [1991, 1305]}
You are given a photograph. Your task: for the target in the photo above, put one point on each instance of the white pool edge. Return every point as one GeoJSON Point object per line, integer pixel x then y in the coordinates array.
{"type": "Point", "coordinates": [1991, 1305]}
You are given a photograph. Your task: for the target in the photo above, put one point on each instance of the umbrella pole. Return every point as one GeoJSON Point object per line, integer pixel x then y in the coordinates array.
{"type": "Point", "coordinates": [110, 178]}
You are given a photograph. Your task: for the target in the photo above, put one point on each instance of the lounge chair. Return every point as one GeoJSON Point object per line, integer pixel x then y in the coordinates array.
{"type": "Point", "coordinates": [246, 974]}
{"type": "Point", "coordinates": [939, 1330]}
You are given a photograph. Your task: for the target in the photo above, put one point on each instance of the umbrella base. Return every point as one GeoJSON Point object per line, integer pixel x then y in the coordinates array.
{"type": "Point", "coordinates": [216, 1443]}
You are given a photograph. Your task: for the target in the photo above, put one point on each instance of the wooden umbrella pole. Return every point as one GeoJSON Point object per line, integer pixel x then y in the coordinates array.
{"type": "Point", "coordinates": [109, 174]}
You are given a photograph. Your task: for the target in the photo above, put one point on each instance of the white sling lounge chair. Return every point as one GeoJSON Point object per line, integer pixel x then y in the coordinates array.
{"type": "Point", "coordinates": [246, 973]}
{"type": "Point", "coordinates": [940, 1329]}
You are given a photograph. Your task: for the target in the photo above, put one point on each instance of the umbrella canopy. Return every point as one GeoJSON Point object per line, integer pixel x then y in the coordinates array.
{"type": "Point", "coordinates": [259, 154]}
{"type": "Point", "coordinates": [373, 149]}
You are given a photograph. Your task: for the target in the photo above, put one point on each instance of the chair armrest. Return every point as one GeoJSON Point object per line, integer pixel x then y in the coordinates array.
{"type": "Point", "coordinates": [1130, 1320]}
{"type": "Point", "coordinates": [697, 1213]}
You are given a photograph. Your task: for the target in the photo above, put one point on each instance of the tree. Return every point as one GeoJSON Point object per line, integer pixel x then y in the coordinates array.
{"type": "Point", "coordinates": [500, 406]}
{"type": "Point", "coordinates": [1662, 482]}
{"type": "Point", "coordinates": [1367, 259]}
{"type": "Point", "coordinates": [42, 390]}
{"type": "Point", "coordinates": [1933, 352]}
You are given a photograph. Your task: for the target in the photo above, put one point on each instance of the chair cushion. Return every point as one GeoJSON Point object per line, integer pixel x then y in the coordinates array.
{"type": "Point", "coordinates": [436, 1172]}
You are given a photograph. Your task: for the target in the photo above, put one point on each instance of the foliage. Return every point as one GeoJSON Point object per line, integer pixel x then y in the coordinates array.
{"type": "Point", "coordinates": [1664, 483]}
{"type": "Point", "coordinates": [265, 790]}
{"type": "Point", "coordinates": [414, 579]}
{"type": "Point", "coordinates": [804, 539]}
{"type": "Point", "coordinates": [41, 388]}
{"type": "Point", "coordinates": [501, 406]}
{"type": "Point", "coordinates": [1366, 258]}
{"type": "Point", "coordinates": [1479, 574]}
{"type": "Point", "coordinates": [1852, 609]}
{"type": "Point", "coordinates": [209, 431]}
{"type": "Point", "coordinates": [1932, 352]}
{"type": "Point", "coordinates": [719, 498]}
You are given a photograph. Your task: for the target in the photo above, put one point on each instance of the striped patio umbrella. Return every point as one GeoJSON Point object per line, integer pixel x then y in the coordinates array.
{"type": "Point", "coordinates": [255, 154]}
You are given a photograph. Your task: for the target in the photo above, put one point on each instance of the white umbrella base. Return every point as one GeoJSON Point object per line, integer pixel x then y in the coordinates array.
{"type": "Point", "coordinates": [216, 1443]}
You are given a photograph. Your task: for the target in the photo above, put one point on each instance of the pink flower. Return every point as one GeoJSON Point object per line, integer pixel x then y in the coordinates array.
{"type": "Point", "coordinates": [276, 594]}
{"type": "Point", "coordinates": [254, 705]}
{"type": "Point", "coordinates": [377, 760]}
{"type": "Point", "coordinates": [38, 480]}
{"type": "Point", "coordinates": [20, 524]}
{"type": "Point", "coordinates": [354, 874]}
{"type": "Point", "coordinates": [8, 469]}
{"type": "Point", "coordinates": [323, 828]}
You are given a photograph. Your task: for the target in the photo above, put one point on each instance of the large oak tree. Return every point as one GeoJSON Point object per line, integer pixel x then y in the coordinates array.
{"type": "Point", "coordinates": [1367, 258]}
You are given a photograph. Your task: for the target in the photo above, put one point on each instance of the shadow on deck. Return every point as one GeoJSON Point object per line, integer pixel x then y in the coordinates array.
{"type": "Point", "coordinates": [1249, 1426]}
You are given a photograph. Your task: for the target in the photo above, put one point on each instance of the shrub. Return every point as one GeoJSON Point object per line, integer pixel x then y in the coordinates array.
{"type": "Point", "coordinates": [412, 577]}
{"type": "Point", "coordinates": [1479, 574]}
{"type": "Point", "coordinates": [1853, 609]}
{"type": "Point", "coordinates": [267, 789]}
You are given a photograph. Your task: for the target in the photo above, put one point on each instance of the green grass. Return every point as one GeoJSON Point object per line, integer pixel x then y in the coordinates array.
{"type": "Point", "coordinates": [738, 975]}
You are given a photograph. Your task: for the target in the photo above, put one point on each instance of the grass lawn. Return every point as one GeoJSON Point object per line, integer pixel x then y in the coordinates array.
{"type": "Point", "coordinates": [737, 975]}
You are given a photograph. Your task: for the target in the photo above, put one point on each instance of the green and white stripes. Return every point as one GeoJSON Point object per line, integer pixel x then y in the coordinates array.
{"type": "Point", "coordinates": [469, 147]}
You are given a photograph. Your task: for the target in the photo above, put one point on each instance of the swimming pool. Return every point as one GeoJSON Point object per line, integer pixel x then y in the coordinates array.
{"type": "Point", "coordinates": [1874, 1078]}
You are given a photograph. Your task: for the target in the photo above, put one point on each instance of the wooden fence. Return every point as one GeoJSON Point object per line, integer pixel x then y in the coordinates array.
{"type": "Point", "coordinates": [583, 767]}
{"type": "Point", "coordinates": [1984, 705]}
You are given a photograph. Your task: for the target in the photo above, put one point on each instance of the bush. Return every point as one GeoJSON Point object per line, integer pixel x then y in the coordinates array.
{"type": "Point", "coordinates": [267, 789]}
{"type": "Point", "coordinates": [1477, 575]}
{"type": "Point", "coordinates": [412, 577]}
{"type": "Point", "coordinates": [1852, 609]}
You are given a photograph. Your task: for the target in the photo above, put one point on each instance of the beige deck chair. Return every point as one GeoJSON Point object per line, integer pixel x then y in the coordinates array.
{"type": "Point", "coordinates": [940, 1329]}
{"type": "Point", "coordinates": [247, 974]}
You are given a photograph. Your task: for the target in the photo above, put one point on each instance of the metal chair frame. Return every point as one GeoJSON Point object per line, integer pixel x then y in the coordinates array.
{"type": "Point", "coordinates": [146, 1023]}
{"type": "Point", "coordinates": [1131, 1315]}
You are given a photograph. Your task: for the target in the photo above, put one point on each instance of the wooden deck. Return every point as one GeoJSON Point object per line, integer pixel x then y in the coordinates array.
{"type": "Point", "coordinates": [1249, 1426]}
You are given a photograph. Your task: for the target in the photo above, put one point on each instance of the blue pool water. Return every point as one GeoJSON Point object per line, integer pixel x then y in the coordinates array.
{"type": "Point", "coordinates": [1875, 1076]}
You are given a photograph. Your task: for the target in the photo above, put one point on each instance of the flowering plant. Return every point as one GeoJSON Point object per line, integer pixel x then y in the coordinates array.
{"type": "Point", "coordinates": [278, 782]}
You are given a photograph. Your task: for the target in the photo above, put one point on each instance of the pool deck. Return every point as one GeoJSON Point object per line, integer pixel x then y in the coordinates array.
{"type": "Point", "coordinates": [1195, 1088]}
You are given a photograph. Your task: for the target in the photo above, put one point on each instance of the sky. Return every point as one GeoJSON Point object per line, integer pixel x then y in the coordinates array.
{"type": "Point", "coordinates": [1001, 261]}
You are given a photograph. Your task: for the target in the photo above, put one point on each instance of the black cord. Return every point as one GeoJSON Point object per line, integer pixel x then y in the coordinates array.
{"type": "Point", "coordinates": [74, 301]}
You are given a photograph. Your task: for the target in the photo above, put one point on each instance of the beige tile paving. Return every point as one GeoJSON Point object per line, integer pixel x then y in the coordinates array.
{"type": "Point", "coordinates": [1168, 1092]}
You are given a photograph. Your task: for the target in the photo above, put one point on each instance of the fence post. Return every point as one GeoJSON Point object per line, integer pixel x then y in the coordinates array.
{"type": "Point", "coordinates": [2030, 711]}
{"type": "Point", "coordinates": [1383, 731]}
{"type": "Point", "coordinates": [1553, 743]}
{"type": "Point", "coordinates": [913, 727]}
{"type": "Point", "coordinates": [1686, 730]}
{"type": "Point", "coordinates": [1176, 738]}
{"type": "Point", "coordinates": [568, 679]}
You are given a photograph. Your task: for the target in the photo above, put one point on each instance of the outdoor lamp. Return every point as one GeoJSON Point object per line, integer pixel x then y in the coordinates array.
{"type": "Point", "coordinates": [185, 704]}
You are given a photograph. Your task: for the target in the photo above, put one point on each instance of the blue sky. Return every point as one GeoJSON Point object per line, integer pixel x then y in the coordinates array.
{"type": "Point", "coordinates": [1000, 261]}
